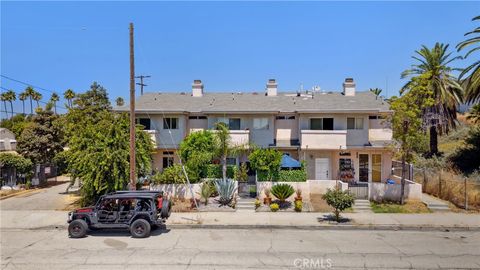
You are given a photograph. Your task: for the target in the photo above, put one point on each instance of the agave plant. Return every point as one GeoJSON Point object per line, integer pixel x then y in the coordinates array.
{"type": "Point", "coordinates": [226, 190]}
{"type": "Point", "coordinates": [282, 191]}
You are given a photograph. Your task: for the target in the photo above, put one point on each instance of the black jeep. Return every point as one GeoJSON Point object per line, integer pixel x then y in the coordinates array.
{"type": "Point", "coordinates": [139, 211]}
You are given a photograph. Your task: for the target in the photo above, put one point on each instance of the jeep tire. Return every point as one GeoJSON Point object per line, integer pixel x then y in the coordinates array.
{"type": "Point", "coordinates": [166, 209]}
{"type": "Point", "coordinates": [140, 228]}
{"type": "Point", "coordinates": [77, 228]}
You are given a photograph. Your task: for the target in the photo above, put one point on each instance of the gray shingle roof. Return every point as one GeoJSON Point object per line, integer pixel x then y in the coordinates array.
{"type": "Point", "coordinates": [254, 103]}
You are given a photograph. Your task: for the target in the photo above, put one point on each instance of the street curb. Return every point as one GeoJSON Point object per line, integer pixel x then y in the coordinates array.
{"type": "Point", "coordinates": [345, 227]}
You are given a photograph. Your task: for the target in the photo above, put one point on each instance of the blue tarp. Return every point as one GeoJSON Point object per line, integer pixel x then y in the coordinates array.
{"type": "Point", "coordinates": [289, 162]}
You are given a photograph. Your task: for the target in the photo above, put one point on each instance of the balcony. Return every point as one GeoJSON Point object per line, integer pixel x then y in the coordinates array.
{"type": "Point", "coordinates": [153, 135]}
{"type": "Point", "coordinates": [239, 137]}
{"type": "Point", "coordinates": [380, 134]}
{"type": "Point", "coordinates": [323, 139]}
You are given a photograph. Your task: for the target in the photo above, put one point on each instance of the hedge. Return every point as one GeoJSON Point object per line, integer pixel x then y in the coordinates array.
{"type": "Point", "coordinates": [284, 176]}
{"type": "Point", "coordinates": [215, 171]}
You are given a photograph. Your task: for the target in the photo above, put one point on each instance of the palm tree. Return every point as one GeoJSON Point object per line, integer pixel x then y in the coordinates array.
{"type": "Point", "coordinates": [376, 91]}
{"type": "Point", "coordinates": [446, 91]}
{"type": "Point", "coordinates": [4, 98]}
{"type": "Point", "coordinates": [30, 93]}
{"type": "Point", "coordinates": [472, 81]}
{"type": "Point", "coordinates": [474, 114]}
{"type": "Point", "coordinates": [222, 142]}
{"type": "Point", "coordinates": [54, 98]}
{"type": "Point", "coordinates": [11, 97]}
{"type": "Point", "coordinates": [23, 96]}
{"type": "Point", "coordinates": [37, 97]}
{"type": "Point", "coordinates": [69, 95]}
{"type": "Point", "coordinates": [120, 101]}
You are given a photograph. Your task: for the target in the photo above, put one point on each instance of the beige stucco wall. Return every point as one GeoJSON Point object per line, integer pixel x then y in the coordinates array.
{"type": "Point", "coordinates": [157, 158]}
{"type": "Point", "coordinates": [324, 139]}
{"type": "Point", "coordinates": [308, 188]}
{"type": "Point", "coordinates": [382, 191]}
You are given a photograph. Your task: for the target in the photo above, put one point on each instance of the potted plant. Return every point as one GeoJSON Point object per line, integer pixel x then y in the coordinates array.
{"type": "Point", "coordinates": [267, 200]}
{"type": "Point", "coordinates": [257, 203]}
{"type": "Point", "coordinates": [299, 195]}
{"type": "Point", "coordinates": [253, 191]}
{"type": "Point", "coordinates": [298, 206]}
{"type": "Point", "coordinates": [274, 207]}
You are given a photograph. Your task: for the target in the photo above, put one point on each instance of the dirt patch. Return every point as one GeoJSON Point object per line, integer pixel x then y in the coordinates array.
{"type": "Point", "coordinates": [71, 202]}
{"type": "Point", "coordinates": [182, 205]}
{"type": "Point", "coordinates": [319, 204]}
{"type": "Point", "coordinates": [410, 207]}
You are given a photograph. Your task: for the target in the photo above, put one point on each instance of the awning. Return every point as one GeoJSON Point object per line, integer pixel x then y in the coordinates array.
{"type": "Point", "coordinates": [289, 162]}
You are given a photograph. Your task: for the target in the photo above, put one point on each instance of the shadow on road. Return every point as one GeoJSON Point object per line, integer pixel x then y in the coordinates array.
{"type": "Point", "coordinates": [123, 232]}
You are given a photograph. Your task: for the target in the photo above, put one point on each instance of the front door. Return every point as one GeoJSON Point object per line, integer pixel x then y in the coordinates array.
{"type": "Point", "coordinates": [363, 168]}
{"type": "Point", "coordinates": [322, 165]}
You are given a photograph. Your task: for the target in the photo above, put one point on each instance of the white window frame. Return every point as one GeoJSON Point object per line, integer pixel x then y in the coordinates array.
{"type": "Point", "coordinates": [355, 121]}
{"type": "Point", "coordinates": [261, 123]}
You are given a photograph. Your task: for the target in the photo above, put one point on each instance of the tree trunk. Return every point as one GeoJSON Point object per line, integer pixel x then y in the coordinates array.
{"type": "Point", "coordinates": [433, 141]}
{"type": "Point", "coordinates": [402, 186]}
{"type": "Point", "coordinates": [224, 167]}
{"type": "Point", "coordinates": [6, 112]}
{"type": "Point", "coordinates": [11, 107]}
{"type": "Point", "coordinates": [55, 107]}
{"type": "Point", "coordinates": [23, 106]}
{"type": "Point", "coordinates": [31, 107]}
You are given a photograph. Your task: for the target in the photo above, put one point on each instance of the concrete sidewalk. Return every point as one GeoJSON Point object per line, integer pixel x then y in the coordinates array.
{"type": "Point", "coordinates": [46, 219]}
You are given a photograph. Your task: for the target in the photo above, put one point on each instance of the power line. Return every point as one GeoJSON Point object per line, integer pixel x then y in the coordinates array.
{"type": "Point", "coordinates": [43, 102]}
{"type": "Point", "coordinates": [27, 84]}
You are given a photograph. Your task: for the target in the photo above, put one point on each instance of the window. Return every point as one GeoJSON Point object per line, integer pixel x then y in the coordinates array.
{"type": "Point", "coordinates": [234, 123]}
{"type": "Point", "coordinates": [170, 123]}
{"type": "Point", "coordinates": [321, 123]}
{"type": "Point", "coordinates": [144, 122]}
{"type": "Point", "coordinates": [260, 123]}
{"type": "Point", "coordinates": [197, 117]}
{"type": "Point", "coordinates": [285, 117]}
{"type": "Point", "coordinates": [373, 117]}
{"type": "Point", "coordinates": [167, 162]}
{"type": "Point", "coordinates": [231, 161]}
{"type": "Point", "coordinates": [354, 123]}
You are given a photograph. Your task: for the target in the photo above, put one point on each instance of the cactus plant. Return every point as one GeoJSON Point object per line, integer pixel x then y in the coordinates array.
{"type": "Point", "coordinates": [226, 190]}
{"type": "Point", "coordinates": [282, 191]}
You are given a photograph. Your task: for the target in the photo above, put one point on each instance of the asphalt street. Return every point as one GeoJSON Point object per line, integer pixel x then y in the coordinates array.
{"type": "Point", "coordinates": [241, 249]}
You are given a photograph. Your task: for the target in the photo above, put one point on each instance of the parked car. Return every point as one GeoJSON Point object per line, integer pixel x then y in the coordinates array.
{"type": "Point", "coordinates": [138, 211]}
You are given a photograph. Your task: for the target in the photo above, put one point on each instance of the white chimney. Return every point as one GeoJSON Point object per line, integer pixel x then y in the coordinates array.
{"type": "Point", "coordinates": [271, 88]}
{"type": "Point", "coordinates": [197, 88]}
{"type": "Point", "coordinates": [349, 87]}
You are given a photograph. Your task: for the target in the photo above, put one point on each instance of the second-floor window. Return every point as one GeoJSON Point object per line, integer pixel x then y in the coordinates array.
{"type": "Point", "coordinates": [321, 123]}
{"type": "Point", "coordinates": [354, 123]}
{"type": "Point", "coordinates": [170, 123]}
{"type": "Point", "coordinates": [232, 123]}
{"type": "Point", "coordinates": [144, 122]}
{"type": "Point", "coordinates": [260, 123]}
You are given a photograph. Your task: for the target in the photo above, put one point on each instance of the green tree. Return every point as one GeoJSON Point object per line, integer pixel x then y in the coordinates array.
{"type": "Point", "coordinates": [197, 150]}
{"type": "Point", "coordinates": [266, 160]}
{"type": "Point", "coordinates": [465, 157]}
{"type": "Point", "coordinates": [69, 95]}
{"type": "Point", "coordinates": [37, 96]}
{"type": "Point", "coordinates": [222, 145]}
{"type": "Point", "coordinates": [30, 92]}
{"type": "Point", "coordinates": [339, 200]}
{"type": "Point", "coordinates": [446, 91]}
{"type": "Point", "coordinates": [22, 97]}
{"type": "Point", "coordinates": [99, 154]}
{"type": "Point", "coordinates": [96, 97]}
{"type": "Point", "coordinates": [4, 99]}
{"type": "Point", "coordinates": [119, 101]}
{"type": "Point", "coordinates": [470, 76]}
{"type": "Point", "coordinates": [15, 124]}
{"type": "Point", "coordinates": [11, 96]}
{"type": "Point", "coordinates": [407, 120]}
{"type": "Point", "coordinates": [54, 98]}
{"type": "Point", "coordinates": [376, 91]}
{"type": "Point", "coordinates": [42, 139]}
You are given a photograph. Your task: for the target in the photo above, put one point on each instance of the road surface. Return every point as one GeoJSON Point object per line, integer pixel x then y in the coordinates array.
{"type": "Point", "coordinates": [241, 249]}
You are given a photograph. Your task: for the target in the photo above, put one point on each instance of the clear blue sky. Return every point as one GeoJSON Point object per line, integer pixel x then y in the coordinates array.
{"type": "Point", "coordinates": [231, 46]}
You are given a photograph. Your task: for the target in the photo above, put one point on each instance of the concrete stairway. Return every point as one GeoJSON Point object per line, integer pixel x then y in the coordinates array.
{"type": "Point", "coordinates": [362, 206]}
{"type": "Point", "coordinates": [435, 204]}
{"type": "Point", "coordinates": [245, 204]}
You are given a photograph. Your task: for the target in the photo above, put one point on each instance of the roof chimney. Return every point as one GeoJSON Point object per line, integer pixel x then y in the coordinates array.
{"type": "Point", "coordinates": [197, 88]}
{"type": "Point", "coordinates": [349, 87]}
{"type": "Point", "coordinates": [271, 87]}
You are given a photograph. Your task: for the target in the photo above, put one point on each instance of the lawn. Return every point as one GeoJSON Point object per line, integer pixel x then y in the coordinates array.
{"type": "Point", "coordinates": [410, 207]}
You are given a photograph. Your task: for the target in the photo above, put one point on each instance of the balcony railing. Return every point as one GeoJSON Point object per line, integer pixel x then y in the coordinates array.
{"type": "Point", "coordinates": [153, 135]}
{"type": "Point", "coordinates": [380, 134]}
{"type": "Point", "coordinates": [323, 139]}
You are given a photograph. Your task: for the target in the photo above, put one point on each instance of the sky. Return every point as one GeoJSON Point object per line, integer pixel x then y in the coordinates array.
{"type": "Point", "coordinates": [230, 46]}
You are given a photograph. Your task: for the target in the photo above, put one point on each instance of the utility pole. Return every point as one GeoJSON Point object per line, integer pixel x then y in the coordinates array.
{"type": "Point", "coordinates": [141, 77]}
{"type": "Point", "coordinates": [132, 113]}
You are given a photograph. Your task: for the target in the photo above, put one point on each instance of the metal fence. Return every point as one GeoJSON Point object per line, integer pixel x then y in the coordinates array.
{"type": "Point", "coordinates": [39, 176]}
{"type": "Point", "coordinates": [397, 169]}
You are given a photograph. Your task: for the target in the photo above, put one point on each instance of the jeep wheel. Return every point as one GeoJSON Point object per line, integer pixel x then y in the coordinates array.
{"type": "Point", "coordinates": [140, 228]}
{"type": "Point", "coordinates": [166, 209]}
{"type": "Point", "coordinates": [77, 228]}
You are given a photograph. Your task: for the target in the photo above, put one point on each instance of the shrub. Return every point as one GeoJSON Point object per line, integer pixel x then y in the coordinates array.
{"type": "Point", "coordinates": [226, 190]}
{"type": "Point", "coordinates": [274, 207]}
{"type": "Point", "coordinates": [298, 206]}
{"type": "Point", "coordinates": [292, 175]}
{"type": "Point", "coordinates": [241, 174]}
{"type": "Point", "coordinates": [215, 171]}
{"type": "Point", "coordinates": [339, 200]}
{"type": "Point", "coordinates": [172, 175]}
{"type": "Point", "coordinates": [267, 161]}
{"type": "Point", "coordinates": [61, 161]}
{"type": "Point", "coordinates": [205, 192]}
{"type": "Point", "coordinates": [21, 164]}
{"type": "Point", "coordinates": [257, 203]}
{"type": "Point", "coordinates": [282, 191]}
{"type": "Point", "coordinates": [28, 185]}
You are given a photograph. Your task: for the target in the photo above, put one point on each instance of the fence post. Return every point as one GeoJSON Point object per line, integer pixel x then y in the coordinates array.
{"type": "Point", "coordinates": [440, 183]}
{"type": "Point", "coordinates": [466, 197]}
{"type": "Point", "coordinates": [424, 186]}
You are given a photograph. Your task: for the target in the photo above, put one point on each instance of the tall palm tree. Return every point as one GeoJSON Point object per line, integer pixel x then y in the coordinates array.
{"type": "Point", "coordinates": [471, 82]}
{"type": "Point", "coordinates": [119, 101]}
{"type": "Point", "coordinates": [69, 95]}
{"type": "Point", "coordinates": [11, 97]}
{"type": "Point", "coordinates": [22, 97]}
{"type": "Point", "coordinates": [446, 91]}
{"type": "Point", "coordinates": [30, 93]}
{"type": "Point", "coordinates": [54, 98]}
{"type": "Point", "coordinates": [4, 99]}
{"type": "Point", "coordinates": [376, 91]}
{"type": "Point", "coordinates": [474, 114]}
{"type": "Point", "coordinates": [222, 144]}
{"type": "Point", "coordinates": [37, 97]}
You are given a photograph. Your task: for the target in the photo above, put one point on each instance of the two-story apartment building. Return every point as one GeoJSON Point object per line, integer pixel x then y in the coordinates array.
{"type": "Point", "coordinates": [338, 134]}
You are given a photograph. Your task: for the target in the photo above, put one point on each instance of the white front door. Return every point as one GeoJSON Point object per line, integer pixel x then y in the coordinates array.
{"type": "Point", "coordinates": [322, 165]}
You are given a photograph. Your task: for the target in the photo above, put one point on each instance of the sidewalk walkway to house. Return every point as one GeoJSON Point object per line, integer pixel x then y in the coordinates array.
{"type": "Point", "coordinates": [45, 219]}
{"type": "Point", "coordinates": [434, 204]}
